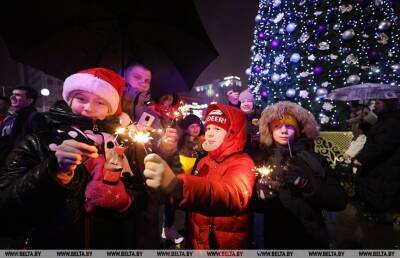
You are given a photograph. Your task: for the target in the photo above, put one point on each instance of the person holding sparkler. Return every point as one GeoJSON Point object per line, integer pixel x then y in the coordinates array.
{"type": "Point", "coordinates": [217, 196]}
{"type": "Point", "coordinates": [293, 184]}
{"type": "Point", "coordinates": [136, 102]}
{"type": "Point", "coordinates": [166, 107]}
{"type": "Point", "coordinates": [74, 186]}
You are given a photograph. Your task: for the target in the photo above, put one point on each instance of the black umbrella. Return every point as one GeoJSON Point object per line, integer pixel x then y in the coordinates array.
{"type": "Point", "coordinates": [62, 37]}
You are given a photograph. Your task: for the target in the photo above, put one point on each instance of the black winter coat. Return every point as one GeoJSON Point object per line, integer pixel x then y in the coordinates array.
{"type": "Point", "coordinates": [293, 219]}
{"type": "Point", "coordinates": [252, 132]}
{"type": "Point", "coordinates": [379, 182]}
{"type": "Point", "coordinates": [52, 215]}
{"type": "Point", "coordinates": [28, 121]}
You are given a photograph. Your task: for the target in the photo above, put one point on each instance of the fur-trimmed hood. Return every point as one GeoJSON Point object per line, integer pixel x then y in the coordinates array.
{"type": "Point", "coordinates": [308, 126]}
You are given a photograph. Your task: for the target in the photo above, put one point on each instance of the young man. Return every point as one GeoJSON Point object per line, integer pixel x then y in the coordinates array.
{"type": "Point", "coordinates": [21, 120]}
{"type": "Point", "coordinates": [134, 103]}
{"type": "Point", "coordinates": [137, 90]}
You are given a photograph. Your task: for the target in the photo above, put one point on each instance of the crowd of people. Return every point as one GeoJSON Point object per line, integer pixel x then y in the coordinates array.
{"type": "Point", "coordinates": [67, 182]}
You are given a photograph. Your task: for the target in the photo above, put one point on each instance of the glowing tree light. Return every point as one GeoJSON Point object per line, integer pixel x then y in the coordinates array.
{"type": "Point", "coordinates": [303, 49]}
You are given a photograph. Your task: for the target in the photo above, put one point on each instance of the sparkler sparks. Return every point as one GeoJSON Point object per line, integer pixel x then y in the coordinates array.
{"type": "Point", "coordinates": [133, 134]}
{"type": "Point", "coordinates": [263, 171]}
{"type": "Point", "coordinates": [141, 137]}
{"type": "Point", "coordinates": [120, 130]}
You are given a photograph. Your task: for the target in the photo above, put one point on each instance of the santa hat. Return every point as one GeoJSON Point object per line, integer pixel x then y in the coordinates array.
{"type": "Point", "coordinates": [246, 95]}
{"type": "Point", "coordinates": [100, 81]}
{"type": "Point", "coordinates": [215, 116]}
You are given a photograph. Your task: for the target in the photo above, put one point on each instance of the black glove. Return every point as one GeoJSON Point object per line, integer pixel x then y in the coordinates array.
{"type": "Point", "coordinates": [343, 170]}
{"type": "Point", "coordinates": [295, 173]}
{"type": "Point", "coordinates": [267, 188]}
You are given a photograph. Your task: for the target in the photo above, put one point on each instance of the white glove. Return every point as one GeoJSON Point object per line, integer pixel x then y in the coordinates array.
{"type": "Point", "coordinates": [157, 172]}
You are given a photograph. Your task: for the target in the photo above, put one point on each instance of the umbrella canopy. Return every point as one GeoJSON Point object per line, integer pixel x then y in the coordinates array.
{"type": "Point", "coordinates": [365, 92]}
{"type": "Point", "coordinates": [62, 37]}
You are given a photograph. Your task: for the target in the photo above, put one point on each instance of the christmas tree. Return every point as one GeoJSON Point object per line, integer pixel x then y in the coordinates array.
{"type": "Point", "coordinates": [304, 49]}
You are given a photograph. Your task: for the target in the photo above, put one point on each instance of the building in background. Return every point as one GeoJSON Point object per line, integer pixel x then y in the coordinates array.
{"type": "Point", "coordinates": [214, 91]}
{"type": "Point", "coordinates": [201, 96]}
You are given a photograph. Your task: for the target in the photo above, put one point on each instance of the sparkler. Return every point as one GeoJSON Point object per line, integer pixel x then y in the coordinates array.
{"type": "Point", "coordinates": [290, 149]}
{"type": "Point", "coordinates": [263, 171]}
{"type": "Point", "coordinates": [120, 130]}
{"type": "Point", "coordinates": [141, 137]}
{"type": "Point", "coordinates": [176, 115]}
{"type": "Point", "coordinates": [133, 134]}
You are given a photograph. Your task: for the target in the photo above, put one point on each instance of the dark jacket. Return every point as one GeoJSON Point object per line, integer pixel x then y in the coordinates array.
{"type": "Point", "coordinates": [253, 132]}
{"type": "Point", "coordinates": [379, 183]}
{"type": "Point", "coordinates": [53, 215]}
{"type": "Point", "coordinates": [28, 120]}
{"type": "Point", "coordinates": [148, 232]}
{"type": "Point", "coordinates": [293, 217]}
{"type": "Point", "coordinates": [135, 103]}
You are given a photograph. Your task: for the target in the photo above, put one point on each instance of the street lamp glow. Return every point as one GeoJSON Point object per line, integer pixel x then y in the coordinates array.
{"type": "Point", "coordinates": [45, 92]}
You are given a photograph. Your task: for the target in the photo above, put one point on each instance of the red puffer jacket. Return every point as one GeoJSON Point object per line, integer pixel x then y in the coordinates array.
{"type": "Point", "coordinates": [218, 195]}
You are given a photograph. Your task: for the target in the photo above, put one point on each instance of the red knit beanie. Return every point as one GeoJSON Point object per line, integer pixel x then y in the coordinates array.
{"type": "Point", "coordinates": [216, 117]}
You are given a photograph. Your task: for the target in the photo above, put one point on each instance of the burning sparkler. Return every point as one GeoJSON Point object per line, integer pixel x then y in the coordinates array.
{"type": "Point", "coordinates": [120, 130]}
{"type": "Point", "coordinates": [133, 134]}
{"type": "Point", "coordinates": [264, 171]}
{"type": "Point", "coordinates": [175, 116]}
{"type": "Point", "coordinates": [143, 138]}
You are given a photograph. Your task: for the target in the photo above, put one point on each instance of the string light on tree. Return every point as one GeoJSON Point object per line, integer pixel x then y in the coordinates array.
{"type": "Point", "coordinates": [302, 50]}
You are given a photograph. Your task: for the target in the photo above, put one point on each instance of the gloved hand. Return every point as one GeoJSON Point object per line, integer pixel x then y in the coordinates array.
{"type": "Point", "coordinates": [104, 195]}
{"type": "Point", "coordinates": [267, 188]}
{"type": "Point", "coordinates": [107, 196]}
{"type": "Point", "coordinates": [158, 174]}
{"type": "Point", "coordinates": [295, 173]}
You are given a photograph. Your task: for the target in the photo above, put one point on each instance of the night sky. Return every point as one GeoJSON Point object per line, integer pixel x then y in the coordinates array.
{"type": "Point", "coordinates": [230, 25]}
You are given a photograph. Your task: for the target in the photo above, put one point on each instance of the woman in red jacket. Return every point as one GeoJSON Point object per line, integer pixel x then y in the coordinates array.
{"type": "Point", "coordinates": [218, 194]}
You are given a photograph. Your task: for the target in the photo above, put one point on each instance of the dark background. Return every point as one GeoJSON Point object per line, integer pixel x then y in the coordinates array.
{"type": "Point", "coordinates": [230, 25]}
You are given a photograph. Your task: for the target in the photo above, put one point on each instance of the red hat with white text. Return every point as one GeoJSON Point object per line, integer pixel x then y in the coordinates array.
{"type": "Point", "coordinates": [215, 116]}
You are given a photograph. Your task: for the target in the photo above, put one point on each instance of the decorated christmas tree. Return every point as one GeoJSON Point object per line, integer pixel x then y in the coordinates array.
{"type": "Point", "coordinates": [303, 49]}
